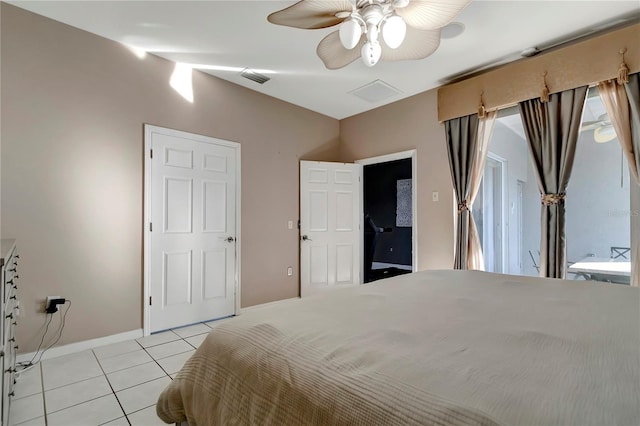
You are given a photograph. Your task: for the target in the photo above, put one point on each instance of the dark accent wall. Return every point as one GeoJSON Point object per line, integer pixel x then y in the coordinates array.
{"type": "Point", "coordinates": [380, 203]}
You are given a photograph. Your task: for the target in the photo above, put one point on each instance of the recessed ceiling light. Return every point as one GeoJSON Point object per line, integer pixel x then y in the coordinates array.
{"type": "Point", "coordinates": [452, 30]}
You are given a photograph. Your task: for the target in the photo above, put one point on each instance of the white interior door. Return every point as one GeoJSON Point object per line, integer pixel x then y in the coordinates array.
{"type": "Point", "coordinates": [330, 221]}
{"type": "Point", "coordinates": [191, 243]}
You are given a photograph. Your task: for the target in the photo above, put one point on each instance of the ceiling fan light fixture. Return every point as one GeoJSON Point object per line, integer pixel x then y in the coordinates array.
{"type": "Point", "coordinates": [604, 134]}
{"type": "Point", "coordinates": [371, 52]}
{"type": "Point", "coordinates": [410, 29]}
{"type": "Point", "coordinates": [350, 33]}
{"type": "Point", "coordinates": [393, 31]}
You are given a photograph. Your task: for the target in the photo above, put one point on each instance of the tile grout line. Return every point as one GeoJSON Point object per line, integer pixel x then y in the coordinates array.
{"type": "Point", "coordinates": [104, 374]}
{"type": "Point", "coordinates": [44, 401]}
{"type": "Point", "coordinates": [157, 363]}
{"type": "Point", "coordinates": [70, 384]}
{"type": "Point", "coordinates": [112, 391]}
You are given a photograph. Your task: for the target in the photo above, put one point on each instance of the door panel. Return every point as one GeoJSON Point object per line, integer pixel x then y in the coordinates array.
{"type": "Point", "coordinates": [214, 273]}
{"type": "Point", "coordinates": [191, 254]}
{"type": "Point", "coordinates": [344, 211]}
{"type": "Point", "coordinates": [330, 225]}
{"type": "Point", "coordinates": [318, 263]}
{"type": "Point", "coordinates": [178, 202]}
{"type": "Point", "coordinates": [344, 263]}
{"type": "Point", "coordinates": [214, 215]}
{"type": "Point", "coordinates": [176, 280]}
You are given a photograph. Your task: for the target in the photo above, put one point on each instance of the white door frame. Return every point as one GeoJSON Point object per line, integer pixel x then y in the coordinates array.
{"type": "Point", "coordinates": [148, 129]}
{"type": "Point", "coordinates": [502, 163]}
{"type": "Point", "coordinates": [414, 200]}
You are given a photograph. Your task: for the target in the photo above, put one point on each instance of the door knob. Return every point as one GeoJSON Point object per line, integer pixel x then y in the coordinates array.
{"type": "Point", "coordinates": [230, 239]}
{"type": "Point", "coordinates": [306, 238]}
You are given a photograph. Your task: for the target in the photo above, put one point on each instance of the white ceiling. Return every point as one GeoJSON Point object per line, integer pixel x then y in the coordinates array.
{"type": "Point", "coordinates": [228, 36]}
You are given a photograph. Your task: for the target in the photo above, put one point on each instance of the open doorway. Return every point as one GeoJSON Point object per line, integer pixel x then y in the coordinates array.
{"type": "Point", "coordinates": [388, 210]}
{"type": "Point", "coordinates": [488, 211]}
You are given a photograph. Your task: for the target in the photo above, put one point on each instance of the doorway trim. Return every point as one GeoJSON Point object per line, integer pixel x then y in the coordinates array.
{"type": "Point", "coordinates": [503, 211]}
{"type": "Point", "coordinates": [146, 216]}
{"type": "Point", "coordinates": [414, 200]}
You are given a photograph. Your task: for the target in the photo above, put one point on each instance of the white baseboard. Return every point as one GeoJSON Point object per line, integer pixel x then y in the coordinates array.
{"type": "Point", "coordinates": [115, 338]}
{"type": "Point", "coordinates": [72, 348]}
{"type": "Point", "coordinates": [262, 305]}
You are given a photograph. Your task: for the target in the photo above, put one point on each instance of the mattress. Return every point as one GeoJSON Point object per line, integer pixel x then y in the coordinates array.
{"type": "Point", "coordinates": [433, 347]}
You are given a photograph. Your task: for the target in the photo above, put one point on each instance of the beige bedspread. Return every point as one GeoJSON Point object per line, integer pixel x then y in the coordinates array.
{"type": "Point", "coordinates": [435, 347]}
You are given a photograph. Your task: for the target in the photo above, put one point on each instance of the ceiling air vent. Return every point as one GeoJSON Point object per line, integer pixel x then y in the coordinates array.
{"type": "Point", "coordinates": [254, 76]}
{"type": "Point", "coordinates": [375, 91]}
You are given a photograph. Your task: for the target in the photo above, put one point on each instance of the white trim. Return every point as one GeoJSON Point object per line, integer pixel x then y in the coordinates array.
{"type": "Point", "coordinates": [387, 157]}
{"type": "Point", "coordinates": [148, 129]}
{"type": "Point", "coordinates": [238, 228]}
{"type": "Point", "coordinates": [146, 317]}
{"type": "Point", "coordinates": [264, 305]}
{"type": "Point", "coordinates": [83, 345]}
{"type": "Point", "coordinates": [504, 209]}
{"type": "Point", "coordinates": [412, 153]}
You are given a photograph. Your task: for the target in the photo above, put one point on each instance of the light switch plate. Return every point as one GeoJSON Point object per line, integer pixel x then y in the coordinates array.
{"type": "Point", "coordinates": [434, 196]}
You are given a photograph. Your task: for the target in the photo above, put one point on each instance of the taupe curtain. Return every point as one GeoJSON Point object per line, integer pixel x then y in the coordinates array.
{"type": "Point", "coordinates": [615, 100]}
{"type": "Point", "coordinates": [552, 130]}
{"type": "Point", "coordinates": [468, 144]}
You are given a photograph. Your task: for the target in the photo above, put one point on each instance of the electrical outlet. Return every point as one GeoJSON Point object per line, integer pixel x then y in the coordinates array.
{"type": "Point", "coordinates": [51, 303]}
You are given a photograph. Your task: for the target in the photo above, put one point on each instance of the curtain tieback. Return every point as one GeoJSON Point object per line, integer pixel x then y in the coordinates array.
{"type": "Point", "coordinates": [552, 199]}
{"type": "Point", "coordinates": [462, 206]}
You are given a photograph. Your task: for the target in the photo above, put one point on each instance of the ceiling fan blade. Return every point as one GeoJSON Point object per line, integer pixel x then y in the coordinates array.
{"type": "Point", "coordinates": [334, 54]}
{"type": "Point", "coordinates": [590, 125]}
{"type": "Point", "coordinates": [311, 14]}
{"type": "Point", "coordinates": [418, 44]}
{"type": "Point", "coordinates": [431, 14]}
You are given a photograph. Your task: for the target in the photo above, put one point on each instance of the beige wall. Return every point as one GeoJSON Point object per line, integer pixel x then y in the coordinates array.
{"type": "Point", "coordinates": [73, 108]}
{"type": "Point", "coordinates": [412, 124]}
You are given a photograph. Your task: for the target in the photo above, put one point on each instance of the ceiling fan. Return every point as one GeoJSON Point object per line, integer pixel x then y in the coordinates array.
{"type": "Point", "coordinates": [603, 130]}
{"type": "Point", "coordinates": [410, 28]}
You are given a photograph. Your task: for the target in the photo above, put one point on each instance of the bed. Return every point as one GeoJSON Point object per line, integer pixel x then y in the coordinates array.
{"type": "Point", "coordinates": [433, 347]}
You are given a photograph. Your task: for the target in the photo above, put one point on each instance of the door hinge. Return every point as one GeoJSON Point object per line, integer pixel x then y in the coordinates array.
{"type": "Point", "coordinates": [151, 153]}
{"type": "Point", "coordinates": [150, 300]}
{"type": "Point", "coordinates": [150, 227]}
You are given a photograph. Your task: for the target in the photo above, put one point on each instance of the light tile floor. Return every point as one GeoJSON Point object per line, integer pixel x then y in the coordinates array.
{"type": "Point", "coordinates": [113, 385]}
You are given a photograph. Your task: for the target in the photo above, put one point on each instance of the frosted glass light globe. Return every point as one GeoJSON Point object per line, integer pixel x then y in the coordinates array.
{"type": "Point", "coordinates": [371, 52]}
{"type": "Point", "coordinates": [394, 31]}
{"type": "Point", "coordinates": [350, 33]}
